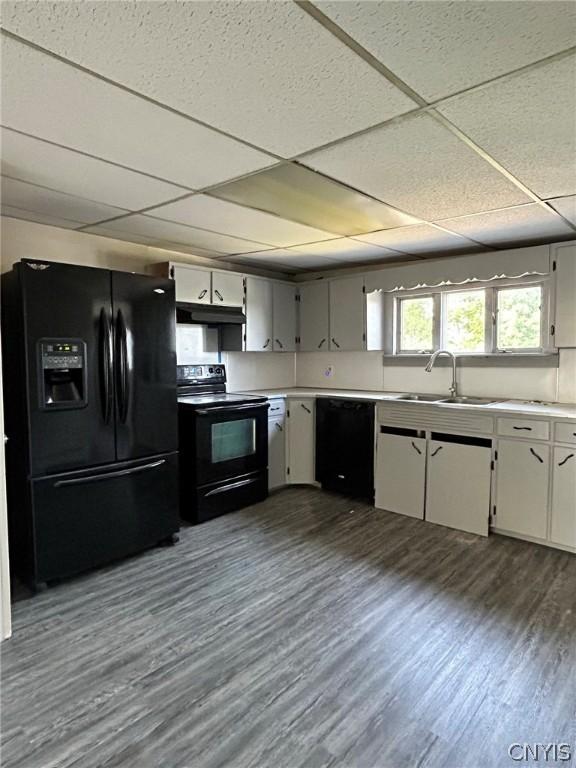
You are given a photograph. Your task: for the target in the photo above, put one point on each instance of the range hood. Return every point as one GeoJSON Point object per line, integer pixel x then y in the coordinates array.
{"type": "Point", "coordinates": [206, 314]}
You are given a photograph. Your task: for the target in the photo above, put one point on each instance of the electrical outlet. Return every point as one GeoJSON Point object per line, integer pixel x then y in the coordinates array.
{"type": "Point", "coordinates": [329, 371]}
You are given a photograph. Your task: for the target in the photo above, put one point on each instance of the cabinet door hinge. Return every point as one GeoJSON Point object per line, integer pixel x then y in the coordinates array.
{"type": "Point", "coordinates": [244, 337]}
{"type": "Point", "coordinates": [495, 455]}
{"type": "Point", "coordinates": [363, 289]}
{"type": "Point", "coordinates": [287, 470]}
{"type": "Point", "coordinates": [554, 266]}
{"type": "Point", "coordinates": [552, 330]}
{"type": "Point", "coordinates": [288, 413]}
{"type": "Point", "coordinates": [172, 272]}
{"type": "Point", "coordinates": [363, 337]}
{"type": "Point", "coordinates": [494, 511]}
{"type": "Point", "coordinates": [492, 466]}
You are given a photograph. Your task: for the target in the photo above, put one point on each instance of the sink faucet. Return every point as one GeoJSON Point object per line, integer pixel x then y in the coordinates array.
{"type": "Point", "coordinates": [430, 365]}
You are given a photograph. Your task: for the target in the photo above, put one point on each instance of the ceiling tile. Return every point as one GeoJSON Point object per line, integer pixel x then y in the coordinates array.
{"type": "Point", "coordinates": [528, 123]}
{"type": "Point", "coordinates": [170, 232]}
{"type": "Point", "coordinates": [440, 48]}
{"type": "Point", "coordinates": [284, 82]}
{"type": "Point", "coordinates": [299, 194]}
{"type": "Point", "coordinates": [46, 165]}
{"type": "Point", "coordinates": [346, 249]}
{"type": "Point", "coordinates": [524, 224]}
{"type": "Point", "coordinates": [419, 239]}
{"type": "Point", "coordinates": [47, 98]}
{"type": "Point", "coordinates": [132, 237]}
{"type": "Point", "coordinates": [29, 197]}
{"type": "Point", "coordinates": [566, 206]}
{"type": "Point", "coordinates": [220, 216]}
{"type": "Point", "coordinates": [420, 167]}
{"type": "Point", "coordinates": [38, 218]}
{"type": "Point", "coordinates": [286, 258]}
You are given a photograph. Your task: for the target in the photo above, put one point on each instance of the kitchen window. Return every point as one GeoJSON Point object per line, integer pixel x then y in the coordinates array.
{"type": "Point", "coordinates": [493, 319]}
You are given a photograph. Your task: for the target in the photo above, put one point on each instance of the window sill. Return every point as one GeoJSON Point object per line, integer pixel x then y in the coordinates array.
{"type": "Point", "coordinates": [498, 359]}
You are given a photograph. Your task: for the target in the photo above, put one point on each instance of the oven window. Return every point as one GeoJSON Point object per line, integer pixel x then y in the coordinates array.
{"type": "Point", "coordinates": [233, 439]}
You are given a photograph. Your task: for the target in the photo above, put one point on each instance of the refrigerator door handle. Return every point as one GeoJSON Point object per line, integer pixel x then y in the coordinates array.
{"type": "Point", "coordinates": [106, 365]}
{"type": "Point", "coordinates": [109, 475]}
{"type": "Point", "coordinates": [122, 381]}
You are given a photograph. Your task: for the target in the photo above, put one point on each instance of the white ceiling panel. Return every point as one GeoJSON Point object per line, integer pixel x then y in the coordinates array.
{"type": "Point", "coordinates": [286, 258]}
{"type": "Point", "coordinates": [283, 82]}
{"type": "Point", "coordinates": [237, 220]}
{"type": "Point", "coordinates": [46, 165]}
{"type": "Point", "coordinates": [528, 123]}
{"type": "Point", "coordinates": [524, 224]}
{"type": "Point", "coordinates": [131, 237]}
{"type": "Point", "coordinates": [47, 98]}
{"type": "Point", "coordinates": [170, 232]}
{"type": "Point", "coordinates": [38, 218]}
{"type": "Point", "coordinates": [439, 48]}
{"type": "Point", "coordinates": [419, 239]}
{"type": "Point", "coordinates": [566, 206]}
{"type": "Point", "coordinates": [418, 166]}
{"type": "Point", "coordinates": [346, 249]}
{"type": "Point", "coordinates": [29, 197]}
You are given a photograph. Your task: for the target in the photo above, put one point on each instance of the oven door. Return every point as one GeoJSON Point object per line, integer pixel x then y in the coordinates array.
{"type": "Point", "coordinates": [231, 440]}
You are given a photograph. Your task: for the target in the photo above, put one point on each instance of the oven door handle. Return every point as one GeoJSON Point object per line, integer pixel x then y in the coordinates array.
{"type": "Point", "coordinates": [231, 486]}
{"type": "Point", "coordinates": [230, 408]}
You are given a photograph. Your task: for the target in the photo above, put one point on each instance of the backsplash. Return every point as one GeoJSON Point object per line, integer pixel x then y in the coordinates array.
{"type": "Point", "coordinates": [259, 370]}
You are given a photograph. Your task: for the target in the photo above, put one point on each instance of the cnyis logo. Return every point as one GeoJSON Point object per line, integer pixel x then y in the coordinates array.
{"type": "Point", "coordinates": [40, 267]}
{"type": "Point", "coordinates": [540, 753]}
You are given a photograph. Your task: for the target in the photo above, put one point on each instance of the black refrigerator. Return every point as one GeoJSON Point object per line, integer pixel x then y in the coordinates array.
{"type": "Point", "coordinates": [89, 370]}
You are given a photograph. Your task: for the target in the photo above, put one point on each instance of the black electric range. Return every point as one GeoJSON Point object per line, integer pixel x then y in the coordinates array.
{"type": "Point", "coordinates": [223, 443]}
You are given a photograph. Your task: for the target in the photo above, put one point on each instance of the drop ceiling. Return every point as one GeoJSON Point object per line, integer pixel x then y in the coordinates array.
{"type": "Point", "coordinates": [292, 135]}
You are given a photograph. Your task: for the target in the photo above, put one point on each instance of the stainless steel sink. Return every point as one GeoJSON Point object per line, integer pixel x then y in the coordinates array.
{"type": "Point", "coordinates": [422, 398]}
{"type": "Point", "coordinates": [467, 400]}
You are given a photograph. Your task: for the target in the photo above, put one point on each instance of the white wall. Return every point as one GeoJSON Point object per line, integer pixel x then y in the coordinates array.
{"type": "Point", "coordinates": [259, 370]}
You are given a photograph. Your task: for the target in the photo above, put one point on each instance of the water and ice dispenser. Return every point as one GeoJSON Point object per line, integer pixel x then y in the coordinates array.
{"type": "Point", "coordinates": [62, 373]}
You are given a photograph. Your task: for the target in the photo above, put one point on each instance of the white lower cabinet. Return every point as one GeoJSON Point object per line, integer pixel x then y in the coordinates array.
{"type": "Point", "coordinates": [400, 472]}
{"type": "Point", "coordinates": [458, 484]}
{"type": "Point", "coordinates": [276, 445]}
{"type": "Point", "coordinates": [563, 522]}
{"type": "Point", "coordinates": [522, 488]}
{"type": "Point", "coordinates": [301, 440]}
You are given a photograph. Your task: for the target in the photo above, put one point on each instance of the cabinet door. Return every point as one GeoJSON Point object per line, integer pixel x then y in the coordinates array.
{"type": "Point", "coordinates": [314, 325]}
{"type": "Point", "coordinates": [565, 319]}
{"type": "Point", "coordinates": [458, 485]}
{"type": "Point", "coordinates": [347, 314]}
{"type": "Point", "coordinates": [522, 488]}
{"type": "Point", "coordinates": [563, 527]}
{"type": "Point", "coordinates": [284, 317]}
{"type": "Point", "coordinates": [258, 315]}
{"type": "Point", "coordinates": [192, 285]}
{"type": "Point", "coordinates": [276, 452]}
{"type": "Point", "coordinates": [400, 474]}
{"type": "Point", "coordinates": [227, 289]}
{"type": "Point", "coordinates": [301, 443]}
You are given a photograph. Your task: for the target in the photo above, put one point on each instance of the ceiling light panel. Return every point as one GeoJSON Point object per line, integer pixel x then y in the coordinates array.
{"type": "Point", "coordinates": [439, 48]}
{"type": "Point", "coordinates": [528, 124]}
{"type": "Point", "coordinates": [566, 206]}
{"type": "Point", "coordinates": [46, 165]}
{"type": "Point", "coordinates": [253, 55]}
{"type": "Point", "coordinates": [170, 232]}
{"type": "Point", "coordinates": [346, 249]}
{"type": "Point", "coordinates": [524, 224]}
{"type": "Point", "coordinates": [297, 193]}
{"type": "Point", "coordinates": [417, 165]}
{"type": "Point", "coordinates": [421, 239]}
{"type": "Point", "coordinates": [239, 221]}
{"type": "Point", "coordinates": [38, 218]}
{"type": "Point", "coordinates": [47, 98]}
{"type": "Point", "coordinates": [29, 197]}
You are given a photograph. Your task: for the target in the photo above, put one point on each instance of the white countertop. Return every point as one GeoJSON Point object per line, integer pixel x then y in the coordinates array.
{"type": "Point", "coordinates": [503, 407]}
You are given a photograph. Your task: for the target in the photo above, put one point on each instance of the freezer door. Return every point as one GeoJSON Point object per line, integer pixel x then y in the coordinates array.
{"type": "Point", "coordinates": [88, 518]}
{"type": "Point", "coordinates": [65, 305]}
{"type": "Point", "coordinates": [145, 365]}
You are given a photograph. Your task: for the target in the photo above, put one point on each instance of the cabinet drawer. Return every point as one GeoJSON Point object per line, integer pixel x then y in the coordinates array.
{"type": "Point", "coordinates": [527, 428]}
{"type": "Point", "coordinates": [565, 432]}
{"type": "Point", "coordinates": [277, 407]}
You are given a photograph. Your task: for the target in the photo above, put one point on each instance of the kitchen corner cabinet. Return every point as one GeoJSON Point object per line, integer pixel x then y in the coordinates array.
{"type": "Point", "coordinates": [314, 318]}
{"type": "Point", "coordinates": [563, 510]}
{"type": "Point", "coordinates": [301, 441]}
{"type": "Point", "coordinates": [192, 286]}
{"type": "Point", "coordinates": [228, 289]}
{"type": "Point", "coordinates": [564, 260]}
{"type": "Point", "coordinates": [276, 444]}
{"type": "Point", "coordinates": [523, 471]}
{"type": "Point", "coordinates": [347, 314]}
{"type": "Point", "coordinates": [258, 315]}
{"type": "Point", "coordinates": [400, 472]}
{"type": "Point", "coordinates": [283, 317]}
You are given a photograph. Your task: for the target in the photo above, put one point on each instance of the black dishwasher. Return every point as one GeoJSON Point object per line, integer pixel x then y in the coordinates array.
{"type": "Point", "coordinates": [345, 446]}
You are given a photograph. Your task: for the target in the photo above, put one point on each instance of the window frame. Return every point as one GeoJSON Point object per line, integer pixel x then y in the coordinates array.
{"type": "Point", "coordinates": [492, 290]}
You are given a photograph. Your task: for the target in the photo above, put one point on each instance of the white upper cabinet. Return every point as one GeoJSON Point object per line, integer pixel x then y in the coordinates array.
{"type": "Point", "coordinates": [565, 319]}
{"type": "Point", "coordinates": [258, 315]}
{"type": "Point", "coordinates": [284, 317]}
{"type": "Point", "coordinates": [314, 317]}
{"type": "Point", "coordinates": [227, 289]}
{"type": "Point", "coordinates": [347, 314]}
{"type": "Point", "coordinates": [193, 286]}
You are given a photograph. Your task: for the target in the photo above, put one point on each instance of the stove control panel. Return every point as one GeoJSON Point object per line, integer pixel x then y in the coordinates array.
{"type": "Point", "coordinates": [215, 373]}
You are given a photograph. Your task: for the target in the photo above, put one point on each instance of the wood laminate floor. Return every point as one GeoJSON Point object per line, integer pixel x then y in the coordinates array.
{"type": "Point", "coordinates": [309, 631]}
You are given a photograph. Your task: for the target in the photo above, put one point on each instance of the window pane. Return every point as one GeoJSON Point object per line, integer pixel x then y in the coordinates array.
{"type": "Point", "coordinates": [519, 316]}
{"type": "Point", "coordinates": [464, 323]}
{"type": "Point", "coordinates": [416, 324]}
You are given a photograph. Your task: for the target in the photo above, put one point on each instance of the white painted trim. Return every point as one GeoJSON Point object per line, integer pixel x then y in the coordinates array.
{"type": "Point", "coordinates": [5, 617]}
